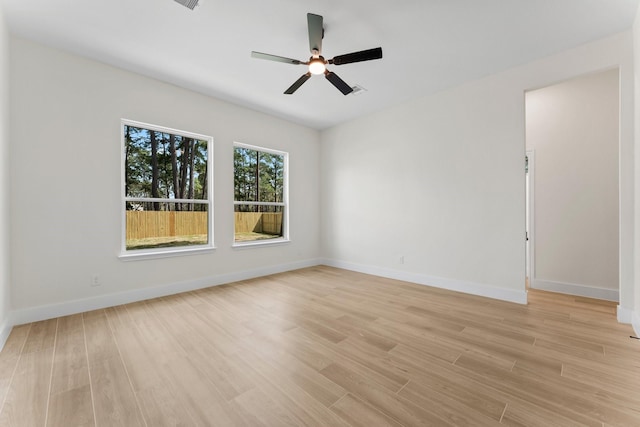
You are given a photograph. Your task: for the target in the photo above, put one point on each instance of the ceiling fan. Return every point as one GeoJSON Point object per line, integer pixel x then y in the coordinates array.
{"type": "Point", "coordinates": [317, 64]}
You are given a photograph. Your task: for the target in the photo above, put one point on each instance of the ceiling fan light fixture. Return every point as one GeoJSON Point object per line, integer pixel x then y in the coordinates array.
{"type": "Point", "coordinates": [316, 66]}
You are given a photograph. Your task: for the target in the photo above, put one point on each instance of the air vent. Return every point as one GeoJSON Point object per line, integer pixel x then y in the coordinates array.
{"type": "Point", "coordinates": [191, 4]}
{"type": "Point", "coordinates": [358, 90]}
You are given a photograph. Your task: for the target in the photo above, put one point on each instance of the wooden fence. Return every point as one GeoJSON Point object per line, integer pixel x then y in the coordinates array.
{"type": "Point", "coordinates": [259, 222]}
{"type": "Point", "coordinates": [145, 224]}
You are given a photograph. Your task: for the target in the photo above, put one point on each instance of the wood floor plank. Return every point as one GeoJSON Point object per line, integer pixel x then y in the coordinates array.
{"type": "Point", "coordinates": [41, 336]}
{"type": "Point", "coordinates": [71, 407]}
{"type": "Point", "coordinates": [114, 400]}
{"type": "Point", "coordinates": [70, 369]}
{"type": "Point", "coordinates": [160, 406]}
{"type": "Point", "coordinates": [16, 340]}
{"type": "Point", "coordinates": [359, 414]}
{"type": "Point", "coordinates": [265, 411]}
{"type": "Point", "coordinates": [299, 346]}
{"type": "Point", "coordinates": [612, 399]}
{"type": "Point", "coordinates": [142, 360]}
{"type": "Point", "coordinates": [145, 362]}
{"type": "Point", "coordinates": [385, 378]}
{"type": "Point", "coordinates": [419, 339]}
{"type": "Point", "coordinates": [390, 404]}
{"type": "Point", "coordinates": [613, 405]}
{"type": "Point", "coordinates": [9, 358]}
{"type": "Point", "coordinates": [113, 397]}
{"type": "Point", "coordinates": [98, 336]}
{"type": "Point", "coordinates": [70, 393]}
{"type": "Point", "coordinates": [208, 331]}
{"type": "Point", "coordinates": [477, 361]}
{"type": "Point", "coordinates": [220, 369]}
{"type": "Point", "coordinates": [445, 407]}
{"type": "Point", "coordinates": [307, 378]}
{"type": "Point", "coordinates": [538, 391]}
{"type": "Point", "coordinates": [321, 330]}
{"type": "Point", "coordinates": [570, 345]}
{"type": "Point", "coordinates": [501, 333]}
{"type": "Point", "coordinates": [608, 379]}
{"type": "Point", "coordinates": [363, 353]}
{"type": "Point", "coordinates": [226, 323]}
{"type": "Point", "coordinates": [519, 415]}
{"type": "Point", "coordinates": [199, 396]}
{"type": "Point", "coordinates": [589, 331]}
{"type": "Point", "coordinates": [70, 324]}
{"type": "Point", "coordinates": [352, 326]}
{"type": "Point", "coordinates": [526, 356]}
{"type": "Point", "coordinates": [445, 380]}
{"type": "Point", "coordinates": [301, 406]}
{"type": "Point", "coordinates": [28, 394]}
{"type": "Point", "coordinates": [149, 329]}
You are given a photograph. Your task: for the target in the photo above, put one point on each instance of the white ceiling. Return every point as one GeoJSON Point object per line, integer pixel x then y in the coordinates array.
{"type": "Point", "coordinates": [428, 45]}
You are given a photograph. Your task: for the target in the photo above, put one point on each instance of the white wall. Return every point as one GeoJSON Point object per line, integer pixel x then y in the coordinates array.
{"type": "Point", "coordinates": [65, 199]}
{"type": "Point", "coordinates": [636, 51]}
{"type": "Point", "coordinates": [5, 226]}
{"type": "Point", "coordinates": [440, 180]}
{"type": "Point", "coordinates": [573, 129]}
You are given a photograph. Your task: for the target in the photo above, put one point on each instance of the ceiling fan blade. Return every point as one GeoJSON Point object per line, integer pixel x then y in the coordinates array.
{"type": "Point", "coordinates": [294, 87]}
{"type": "Point", "coordinates": [260, 55]}
{"type": "Point", "coordinates": [338, 83]}
{"type": "Point", "coordinates": [363, 55]}
{"type": "Point", "coordinates": [316, 33]}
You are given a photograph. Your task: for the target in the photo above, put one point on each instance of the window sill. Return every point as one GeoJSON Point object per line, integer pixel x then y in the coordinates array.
{"type": "Point", "coordinates": [141, 255]}
{"type": "Point", "coordinates": [258, 243]}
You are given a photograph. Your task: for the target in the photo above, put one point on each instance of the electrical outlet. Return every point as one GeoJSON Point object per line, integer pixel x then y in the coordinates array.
{"type": "Point", "coordinates": [95, 280]}
{"type": "Point", "coordinates": [401, 259]}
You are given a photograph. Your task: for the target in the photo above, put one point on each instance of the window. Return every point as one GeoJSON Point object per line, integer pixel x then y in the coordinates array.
{"type": "Point", "coordinates": [260, 191]}
{"type": "Point", "coordinates": [166, 190]}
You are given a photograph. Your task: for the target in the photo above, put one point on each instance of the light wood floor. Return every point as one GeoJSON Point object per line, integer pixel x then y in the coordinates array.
{"type": "Point", "coordinates": [325, 347]}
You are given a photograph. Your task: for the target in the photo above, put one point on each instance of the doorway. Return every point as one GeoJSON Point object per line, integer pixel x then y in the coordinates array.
{"type": "Point", "coordinates": [572, 148]}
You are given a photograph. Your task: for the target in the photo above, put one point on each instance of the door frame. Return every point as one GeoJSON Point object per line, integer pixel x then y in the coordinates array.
{"type": "Point", "coordinates": [530, 224]}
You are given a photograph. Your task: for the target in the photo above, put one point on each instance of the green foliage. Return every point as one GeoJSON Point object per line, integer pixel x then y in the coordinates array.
{"type": "Point", "coordinates": [258, 177]}
{"type": "Point", "coordinates": [179, 164]}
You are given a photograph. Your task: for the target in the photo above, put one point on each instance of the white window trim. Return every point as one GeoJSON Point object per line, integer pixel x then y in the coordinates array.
{"type": "Point", "coordinates": [258, 243]}
{"type": "Point", "coordinates": [141, 254]}
{"type": "Point", "coordinates": [285, 204]}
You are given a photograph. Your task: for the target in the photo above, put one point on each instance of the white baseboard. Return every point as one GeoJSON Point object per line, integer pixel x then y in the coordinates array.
{"type": "Point", "coordinates": [480, 289]}
{"type": "Point", "coordinates": [576, 289]}
{"type": "Point", "coordinates": [5, 330]}
{"type": "Point", "coordinates": [34, 314]}
{"type": "Point", "coordinates": [625, 315]}
{"type": "Point", "coordinates": [628, 316]}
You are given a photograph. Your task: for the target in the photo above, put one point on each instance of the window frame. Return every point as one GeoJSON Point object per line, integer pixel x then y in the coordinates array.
{"type": "Point", "coordinates": [168, 251]}
{"type": "Point", "coordinates": [285, 238]}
